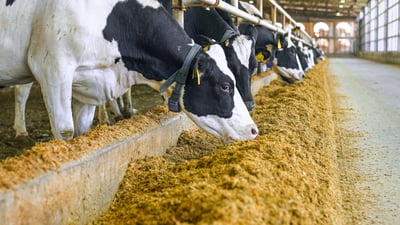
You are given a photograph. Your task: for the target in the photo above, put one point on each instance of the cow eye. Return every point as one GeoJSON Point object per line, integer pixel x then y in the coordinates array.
{"type": "Point", "coordinates": [226, 88]}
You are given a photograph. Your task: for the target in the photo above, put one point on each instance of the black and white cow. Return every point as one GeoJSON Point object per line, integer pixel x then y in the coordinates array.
{"type": "Point", "coordinates": [285, 61]}
{"type": "Point", "coordinates": [239, 48]}
{"type": "Point", "coordinates": [57, 43]}
{"type": "Point", "coordinates": [265, 43]}
{"type": "Point", "coordinates": [283, 56]}
{"type": "Point", "coordinates": [304, 58]}
{"type": "Point", "coordinates": [288, 63]}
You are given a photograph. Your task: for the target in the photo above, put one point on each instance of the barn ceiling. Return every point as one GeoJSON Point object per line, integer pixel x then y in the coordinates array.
{"type": "Point", "coordinates": [306, 10]}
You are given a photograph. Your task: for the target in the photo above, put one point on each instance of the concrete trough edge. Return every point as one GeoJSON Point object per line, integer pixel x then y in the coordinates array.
{"type": "Point", "coordinates": [80, 190]}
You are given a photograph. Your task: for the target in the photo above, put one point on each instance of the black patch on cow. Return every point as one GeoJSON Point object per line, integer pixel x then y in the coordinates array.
{"type": "Point", "coordinates": [264, 37]}
{"type": "Point", "coordinates": [167, 4]}
{"type": "Point", "coordinates": [302, 58]}
{"type": "Point", "coordinates": [317, 54]}
{"type": "Point", "coordinates": [287, 79]}
{"type": "Point", "coordinates": [142, 34]}
{"type": "Point", "coordinates": [286, 56]}
{"type": "Point", "coordinates": [9, 2]}
{"type": "Point", "coordinates": [227, 18]}
{"type": "Point", "coordinates": [205, 22]}
{"type": "Point", "coordinates": [214, 95]}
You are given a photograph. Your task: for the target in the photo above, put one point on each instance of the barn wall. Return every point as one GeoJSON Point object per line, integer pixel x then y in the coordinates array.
{"type": "Point", "coordinates": [384, 57]}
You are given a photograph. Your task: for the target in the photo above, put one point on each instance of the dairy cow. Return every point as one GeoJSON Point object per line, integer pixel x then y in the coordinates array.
{"type": "Point", "coordinates": [58, 42]}
{"type": "Point", "coordinates": [215, 24]}
{"type": "Point", "coordinates": [283, 56]}
{"type": "Point", "coordinates": [304, 59]}
{"type": "Point", "coordinates": [288, 63]}
{"type": "Point", "coordinates": [201, 23]}
{"type": "Point", "coordinates": [285, 61]}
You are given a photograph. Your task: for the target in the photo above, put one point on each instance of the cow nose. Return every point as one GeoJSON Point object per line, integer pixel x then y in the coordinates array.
{"type": "Point", "coordinates": [254, 132]}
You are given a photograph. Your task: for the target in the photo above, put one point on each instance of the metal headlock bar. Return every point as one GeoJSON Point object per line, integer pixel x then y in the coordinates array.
{"type": "Point", "coordinates": [276, 5]}
{"type": "Point", "coordinates": [253, 19]}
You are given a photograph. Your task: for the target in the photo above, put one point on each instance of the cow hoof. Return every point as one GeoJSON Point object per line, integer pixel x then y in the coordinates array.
{"type": "Point", "coordinates": [67, 135]}
{"type": "Point", "coordinates": [21, 134]}
{"type": "Point", "coordinates": [117, 118]}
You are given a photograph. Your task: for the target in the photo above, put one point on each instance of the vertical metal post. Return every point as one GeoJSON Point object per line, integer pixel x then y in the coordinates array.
{"type": "Point", "coordinates": [273, 14]}
{"type": "Point", "coordinates": [260, 7]}
{"type": "Point", "coordinates": [235, 3]}
{"type": "Point", "coordinates": [178, 11]}
{"type": "Point", "coordinates": [283, 21]}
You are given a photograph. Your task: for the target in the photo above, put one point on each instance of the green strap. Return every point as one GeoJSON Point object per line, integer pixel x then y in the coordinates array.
{"type": "Point", "coordinates": [179, 77]}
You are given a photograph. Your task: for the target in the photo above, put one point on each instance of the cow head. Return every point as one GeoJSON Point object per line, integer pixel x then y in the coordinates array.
{"type": "Point", "coordinates": [303, 57]}
{"type": "Point", "coordinates": [211, 99]}
{"type": "Point", "coordinates": [240, 54]}
{"type": "Point", "coordinates": [288, 64]}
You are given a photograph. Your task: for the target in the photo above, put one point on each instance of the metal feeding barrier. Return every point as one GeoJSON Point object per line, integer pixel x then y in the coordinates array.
{"type": "Point", "coordinates": [179, 6]}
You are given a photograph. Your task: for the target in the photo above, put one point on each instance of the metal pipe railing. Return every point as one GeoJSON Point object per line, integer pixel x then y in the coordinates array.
{"type": "Point", "coordinates": [240, 13]}
{"type": "Point", "coordinates": [277, 6]}
{"type": "Point", "coordinates": [233, 10]}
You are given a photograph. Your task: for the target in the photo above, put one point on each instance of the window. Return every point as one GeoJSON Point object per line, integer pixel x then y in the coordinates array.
{"type": "Point", "coordinates": [380, 26]}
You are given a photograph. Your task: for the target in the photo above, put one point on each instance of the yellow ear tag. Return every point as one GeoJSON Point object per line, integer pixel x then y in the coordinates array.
{"type": "Point", "coordinates": [226, 42]}
{"type": "Point", "coordinates": [279, 44]}
{"type": "Point", "coordinates": [198, 76]}
{"type": "Point", "coordinates": [260, 57]}
{"type": "Point", "coordinates": [206, 48]}
{"type": "Point", "coordinates": [197, 73]}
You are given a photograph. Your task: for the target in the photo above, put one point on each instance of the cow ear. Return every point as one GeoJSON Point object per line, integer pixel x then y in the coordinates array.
{"type": "Point", "coordinates": [204, 41]}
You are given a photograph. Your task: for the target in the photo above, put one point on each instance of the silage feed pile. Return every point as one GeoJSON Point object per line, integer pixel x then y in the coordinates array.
{"type": "Point", "coordinates": [287, 175]}
{"type": "Point", "coordinates": [49, 156]}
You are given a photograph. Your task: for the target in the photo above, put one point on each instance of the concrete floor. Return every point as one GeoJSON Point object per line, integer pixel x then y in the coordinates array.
{"type": "Point", "coordinates": [372, 93]}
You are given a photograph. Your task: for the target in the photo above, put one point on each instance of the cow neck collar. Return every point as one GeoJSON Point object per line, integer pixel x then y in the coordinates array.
{"type": "Point", "coordinates": [227, 35]}
{"type": "Point", "coordinates": [180, 78]}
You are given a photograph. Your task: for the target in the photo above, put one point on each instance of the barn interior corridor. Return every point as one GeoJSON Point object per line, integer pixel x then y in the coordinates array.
{"type": "Point", "coordinates": [369, 93]}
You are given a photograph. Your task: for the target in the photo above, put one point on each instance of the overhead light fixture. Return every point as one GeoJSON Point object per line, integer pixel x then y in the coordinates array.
{"type": "Point", "coordinates": [251, 2]}
{"type": "Point", "coordinates": [338, 14]}
{"type": "Point", "coordinates": [342, 1]}
{"type": "Point", "coordinates": [340, 6]}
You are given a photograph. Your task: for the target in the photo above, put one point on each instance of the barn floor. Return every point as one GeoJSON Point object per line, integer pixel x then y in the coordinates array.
{"type": "Point", "coordinates": [369, 93]}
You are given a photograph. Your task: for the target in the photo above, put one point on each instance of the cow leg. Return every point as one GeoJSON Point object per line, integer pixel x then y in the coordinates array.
{"type": "Point", "coordinates": [56, 89]}
{"type": "Point", "coordinates": [102, 114]}
{"type": "Point", "coordinates": [21, 96]}
{"type": "Point", "coordinates": [128, 111]}
{"type": "Point", "coordinates": [83, 116]}
{"type": "Point", "coordinates": [116, 106]}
